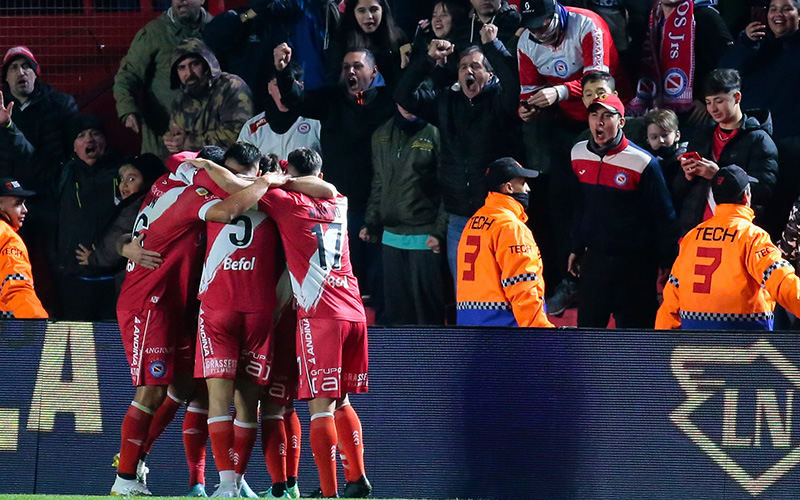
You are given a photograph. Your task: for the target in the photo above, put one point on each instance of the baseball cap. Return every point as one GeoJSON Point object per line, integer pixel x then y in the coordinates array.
{"type": "Point", "coordinates": [505, 169]}
{"type": "Point", "coordinates": [611, 102]}
{"type": "Point", "coordinates": [729, 184]}
{"type": "Point", "coordinates": [19, 51]}
{"type": "Point", "coordinates": [10, 187]}
{"type": "Point", "coordinates": [536, 12]}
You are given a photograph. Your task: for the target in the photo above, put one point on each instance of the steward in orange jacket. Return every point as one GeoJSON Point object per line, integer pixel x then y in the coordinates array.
{"type": "Point", "coordinates": [17, 298]}
{"type": "Point", "coordinates": [499, 265]}
{"type": "Point", "coordinates": [728, 273]}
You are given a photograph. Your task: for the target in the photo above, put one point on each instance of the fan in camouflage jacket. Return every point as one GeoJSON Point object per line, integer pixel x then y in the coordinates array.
{"type": "Point", "coordinates": [209, 111]}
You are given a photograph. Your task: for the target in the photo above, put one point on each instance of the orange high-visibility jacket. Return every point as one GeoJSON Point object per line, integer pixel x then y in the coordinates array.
{"type": "Point", "coordinates": [728, 276]}
{"type": "Point", "coordinates": [500, 268]}
{"type": "Point", "coordinates": [17, 298]}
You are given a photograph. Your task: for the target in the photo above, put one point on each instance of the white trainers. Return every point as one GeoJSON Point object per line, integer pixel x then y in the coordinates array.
{"type": "Point", "coordinates": [226, 490]}
{"type": "Point", "coordinates": [245, 490]}
{"type": "Point", "coordinates": [129, 488]}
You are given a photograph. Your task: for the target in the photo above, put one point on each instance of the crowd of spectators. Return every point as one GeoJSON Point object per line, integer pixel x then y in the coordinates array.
{"type": "Point", "coordinates": [408, 117]}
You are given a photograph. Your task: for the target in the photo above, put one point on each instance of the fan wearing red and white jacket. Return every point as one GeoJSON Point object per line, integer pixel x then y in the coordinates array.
{"type": "Point", "coordinates": [559, 46]}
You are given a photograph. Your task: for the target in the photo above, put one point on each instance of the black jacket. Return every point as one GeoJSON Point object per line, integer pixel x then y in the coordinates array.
{"type": "Point", "coordinates": [34, 146]}
{"type": "Point", "coordinates": [474, 132]}
{"type": "Point", "coordinates": [507, 20]}
{"type": "Point", "coordinates": [752, 149]}
{"type": "Point", "coordinates": [86, 202]}
{"type": "Point", "coordinates": [347, 127]}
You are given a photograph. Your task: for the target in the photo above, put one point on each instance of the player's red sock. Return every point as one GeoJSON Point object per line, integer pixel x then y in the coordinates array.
{"type": "Point", "coordinates": [273, 444]}
{"type": "Point", "coordinates": [220, 429]}
{"type": "Point", "coordinates": [323, 446]}
{"type": "Point", "coordinates": [134, 432]}
{"type": "Point", "coordinates": [293, 434]}
{"type": "Point", "coordinates": [244, 437]}
{"type": "Point", "coordinates": [348, 427]}
{"type": "Point", "coordinates": [164, 415]}
{"type": "Point", "coordinates": [195, 436]}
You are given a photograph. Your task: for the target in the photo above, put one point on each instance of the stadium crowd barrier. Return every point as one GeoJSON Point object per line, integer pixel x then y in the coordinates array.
{"type": "Point", "coordinates": [456, 413]}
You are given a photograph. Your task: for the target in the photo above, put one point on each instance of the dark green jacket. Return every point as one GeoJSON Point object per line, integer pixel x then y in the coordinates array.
{"type": "Point", "coordinates": [405, 197]}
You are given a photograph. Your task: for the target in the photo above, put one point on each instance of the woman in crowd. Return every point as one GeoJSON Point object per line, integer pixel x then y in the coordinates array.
{"type": "Point", "coordinates": [447, 17]}
{"type": "Point", "coordinates": [368, 24]}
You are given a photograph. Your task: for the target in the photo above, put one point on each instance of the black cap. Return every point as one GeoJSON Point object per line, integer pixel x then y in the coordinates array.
{"type": "Point", "coordinates": [10, 187]}
{"type": "Point", "coordinates": [536, 12]}
{"type": "Point", "coordinates": [85, 122]}
{"type": "Point", "coordinates": [729, 183]}
{"type": "Point", "coordinates": [504, 170]}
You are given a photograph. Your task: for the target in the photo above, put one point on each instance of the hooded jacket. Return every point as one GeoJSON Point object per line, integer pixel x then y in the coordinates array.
{"type": "Point", "coordinates": [752, 149]}
{"type": "Point", "coordinates": [474, 132]}
{"type": "Point", "coordinates": [145, 71]}
{"type": "Point", "coordinates": [507, 20]}
{"type": "Point", "coordinates": [216, 116]}
{"type": "Point", "coordinates": [36, 141]}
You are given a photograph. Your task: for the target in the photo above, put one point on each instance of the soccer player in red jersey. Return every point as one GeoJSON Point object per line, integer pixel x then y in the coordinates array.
{"type": "Point", "coordinates": [157, 327]}
{"type": "Point", "coordinates": [332, 329]}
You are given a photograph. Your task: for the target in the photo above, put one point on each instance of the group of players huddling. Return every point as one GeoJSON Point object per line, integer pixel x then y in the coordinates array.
{"type": "Point", "coordinates": [241, 337]}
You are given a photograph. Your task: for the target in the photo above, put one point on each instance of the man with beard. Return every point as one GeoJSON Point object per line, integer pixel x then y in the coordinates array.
{"type": "Point", "coordinates": [145, 70]}
{"type": "Point", "coordinates": [85, 199]}
{"type": "Point", "coordinates": [279, 130]}
{"type": "Point", "coordinates": [212, 106]}
{"type": "Point", "coordinates": [476, 119]}
{"type": "Point", "coordinates": [500, 279]}
{"type": "Point", "coordinates": [349, 113]}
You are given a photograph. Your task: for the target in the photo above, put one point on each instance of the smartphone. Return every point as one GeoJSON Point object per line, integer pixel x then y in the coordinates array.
{"type": "Point", "coordinates": [525, 104]}
{"type": "Point", "coordinates": [759, 13]}
{"type": "Point", "coordinates": [690, 155]}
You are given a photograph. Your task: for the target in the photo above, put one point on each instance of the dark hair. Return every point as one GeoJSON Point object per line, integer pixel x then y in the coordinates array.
{"type": "Point", "coordinates": [270, 163]}
{"type": "Point", "coordinates": [599, 76]}
{"type": "Point", "coordinates": [723, 81]}
{"type": "Point", "coordinates": [213, 153]}
{"type": "Point", "coordinates": [294, 68]}
{"type": "Point", "coordinates": [472, 49]}
{"type": "Point", "coordinates": [458, 14]}
{"type": "Point", "coordinates": [305, 161]}
{"type": "Point", "coordinates": [245, 154]}
{"type": "Point", "coordinates": [387, 37]}
{"type": "Point", "coordinates": [367, 53]}
{"type": "Point", "coordinates": [149, 165]}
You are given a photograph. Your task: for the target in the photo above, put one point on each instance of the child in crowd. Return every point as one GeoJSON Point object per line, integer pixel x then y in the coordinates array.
{"type": "Point", "coordinates": [136, 176]}
{"type": "Point", "coordinates": [663, 140]}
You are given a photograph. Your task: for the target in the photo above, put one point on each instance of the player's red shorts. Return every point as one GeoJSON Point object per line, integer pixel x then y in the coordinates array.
{"type": "Point", "coordinates": [157, 343]}
{"type": "Point", "coordinates": [232, 344]}
{"type": "Point", "coordinates": [282, 388]}
{"type": "Point", "coordinates": [332, 356]}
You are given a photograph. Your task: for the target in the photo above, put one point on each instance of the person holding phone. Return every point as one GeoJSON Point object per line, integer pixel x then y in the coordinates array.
{"type": "Point", "coordinates": [767, 55]}
{"type": "Point", "coordinates": [736, 138]}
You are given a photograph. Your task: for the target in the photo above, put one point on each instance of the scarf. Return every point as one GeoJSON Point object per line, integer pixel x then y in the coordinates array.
{"type": "Point", "coordinates": [602, 150]}
{"type": "Point", "coordinates": [671, 47]}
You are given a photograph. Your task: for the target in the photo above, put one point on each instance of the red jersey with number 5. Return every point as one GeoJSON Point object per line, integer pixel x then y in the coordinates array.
{"type": "Point", "coordinates": [172, 221]}
{"type": "Point", "coordinates": [314, 234]}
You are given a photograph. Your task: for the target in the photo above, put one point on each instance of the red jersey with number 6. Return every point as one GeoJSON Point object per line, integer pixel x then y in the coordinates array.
{"type": "Point", "coordinates": [314, 234]}
{"type": "Point", "coordinates": [172, 221]}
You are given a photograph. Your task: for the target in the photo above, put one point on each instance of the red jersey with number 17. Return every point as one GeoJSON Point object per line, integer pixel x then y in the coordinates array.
{"type": "Point", "coordinates": [172, 219]}
{"type": "Point", "coordinates": [314, 234]}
